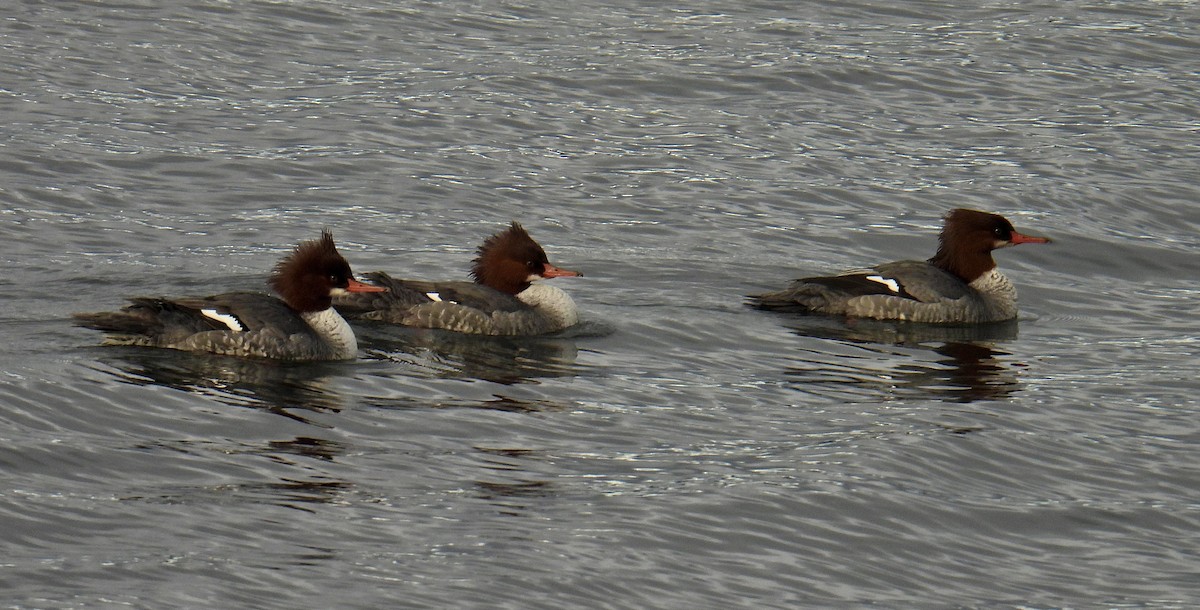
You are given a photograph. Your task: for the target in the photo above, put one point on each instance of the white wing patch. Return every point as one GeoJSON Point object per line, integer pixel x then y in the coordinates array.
{"type": "Point", "coordinates": [227, 319]}
{"type": "Point", "coordinates": [436, 297]}
{"type": "Point", "coordinates": [892, 285]}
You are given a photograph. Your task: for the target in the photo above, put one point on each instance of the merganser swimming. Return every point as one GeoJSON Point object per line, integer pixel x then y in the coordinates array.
{"type": "Point", "coordinates": [960, 284]}
{"type": "Point", "coordinates": [303, 325]}
{"type": "Point", "coordinates": [507, 297]}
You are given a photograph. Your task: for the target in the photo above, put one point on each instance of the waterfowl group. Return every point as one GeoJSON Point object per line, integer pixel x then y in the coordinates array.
{"type": "Point", "coordinates": [317, 292]}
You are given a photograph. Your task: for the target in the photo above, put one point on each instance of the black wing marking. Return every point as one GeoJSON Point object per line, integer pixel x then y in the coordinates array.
{"type": "Point", "coordinates": [149, 316]}
{"type": "Point", "coordinates": [251, 310]}
{"type": "Point", "coordinates": [863, 284]}
{"type": "Point", "coordinates": [913, 280]}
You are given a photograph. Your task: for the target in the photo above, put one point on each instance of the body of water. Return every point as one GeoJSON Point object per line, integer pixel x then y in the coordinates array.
{"type": "Point", "coordinates": [676, 449]}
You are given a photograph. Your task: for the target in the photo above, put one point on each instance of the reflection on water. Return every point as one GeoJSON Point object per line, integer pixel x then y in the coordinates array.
{"type": "Point", "coordinates": [901, 333]}
{"type": "Point", "coordinates": [283, 470]}
{"type": "Point", "coordinates": [967, 372]}
{"type": "Point", "coordinates": [510, 486]}
{"type": "Point", "coordinates": [286, 493]}
{"type": "Point", "coordinates": [306, 446]}
{"type": "Point", "coordinates": [504, 360]}
{"type": "Point", "coordinates": [496, 403]}
{"type": "Point", "coordinates": [279, 387]}
{"type": "Point", "coordinates": [968, 367]}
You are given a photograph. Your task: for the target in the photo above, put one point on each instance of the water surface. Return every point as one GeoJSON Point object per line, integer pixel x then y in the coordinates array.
{"type": "Point", "coordinates": [677, 449]}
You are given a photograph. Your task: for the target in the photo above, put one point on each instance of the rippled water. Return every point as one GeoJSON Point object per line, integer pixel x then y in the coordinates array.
{"type": "Point", "coordinates": [676, 450]}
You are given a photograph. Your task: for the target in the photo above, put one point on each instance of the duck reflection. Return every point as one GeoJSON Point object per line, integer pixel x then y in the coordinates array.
{"type": "Point", "coordinates": [287, 389]}
{"type": "Point", "coordinates": [503, 360]}
{"type": "Point", "coordinates": [968, 367]}
{"type": "Point", "coordinates": [299, 492]}
{"type": "Point", "coordinates": [495, 403]}
{"type": "Point", "coordinates": [284, 388]}
{"type": "Point", "coordinates": [305, 446]}
{"type": "Point", "coordinates": [510, 486]}
{"type": "Point", "coordinates": [294, 494]}
{"type": "Point", "coordinates": [299, 495]}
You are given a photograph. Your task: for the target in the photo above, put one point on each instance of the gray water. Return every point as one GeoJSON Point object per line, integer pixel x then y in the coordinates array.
{"type": "Point", "coordinates": [677, 449]}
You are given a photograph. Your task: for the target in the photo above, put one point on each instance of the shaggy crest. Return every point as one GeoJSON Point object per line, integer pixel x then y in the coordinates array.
{"type": "Point", "coordinates": [506, 260]}
{"type": "Point", "coordinates": [305, 278]}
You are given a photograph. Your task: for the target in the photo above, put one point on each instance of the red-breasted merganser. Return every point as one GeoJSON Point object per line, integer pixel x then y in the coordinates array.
{"type": "Point", "coordinates": [507, 297]}
{"type": "Point", "coordinates": [303, 325]}
{"type": "Point", "coordinates": [959, 285]}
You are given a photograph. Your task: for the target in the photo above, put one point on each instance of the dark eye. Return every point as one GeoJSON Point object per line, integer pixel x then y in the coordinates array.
{"type": "Point", "coordinates": [333, 278]}
{"type": "Point", "coordinates": [532, 264]}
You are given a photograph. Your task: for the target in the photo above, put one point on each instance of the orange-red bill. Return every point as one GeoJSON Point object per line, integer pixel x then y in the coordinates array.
{"type": "Point", "coordinates": [1017, 238]}
{"type": "Point", "coordinates": [357, 286]}
{"type": "Point", "coordinates": [552, 271]}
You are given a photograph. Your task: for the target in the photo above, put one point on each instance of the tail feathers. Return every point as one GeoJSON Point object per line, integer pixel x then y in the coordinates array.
{"type": "Point", "coordinates": [158, 320]}
{"type": "Point", "coordinates": [134, 319]}
{"type": "Point", "coordinates": [802, 296]}
{"type": "Point", "coordinates": [784, 300]}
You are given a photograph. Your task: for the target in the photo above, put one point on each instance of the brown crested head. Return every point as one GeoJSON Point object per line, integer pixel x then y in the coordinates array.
{"type": "Point", "coordinates": [967, 239]}
{"type": "Point", "coordinates": [509, 260]}
{"type": "Point", "coordinates": [307, 278]}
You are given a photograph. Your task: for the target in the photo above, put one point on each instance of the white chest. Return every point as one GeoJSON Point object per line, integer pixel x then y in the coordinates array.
{"type": "Point", "coordinates": [997, 297]}
{"type": "Point", "coordinates": [551, 302]}
{"type": "Point", "coordinates": [994, 282]}
{"type": "Point", "coordinates": [334, 330]}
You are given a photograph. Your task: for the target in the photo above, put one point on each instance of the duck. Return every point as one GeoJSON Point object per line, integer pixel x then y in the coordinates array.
{"type": "Point", "coordinates": [960, 284]}
{"type": "Point", "coordinates": [508, 297]}
{"type": "Point", "coordinates": [300, 324]}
